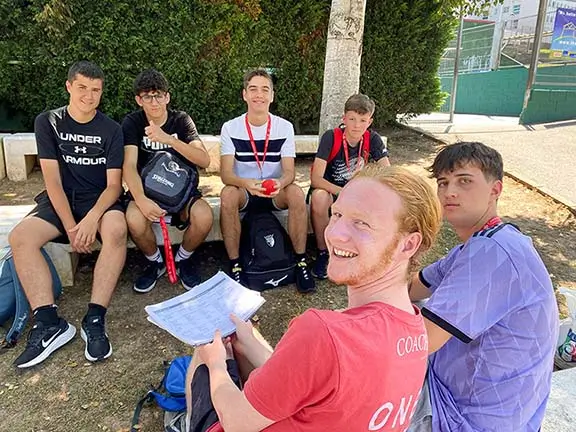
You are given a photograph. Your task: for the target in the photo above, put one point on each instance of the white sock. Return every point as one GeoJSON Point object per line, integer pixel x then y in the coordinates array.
{"type": "Point", "coordinates": [182, 254]}
{"type": "Point", "coordinates": [155, 257]}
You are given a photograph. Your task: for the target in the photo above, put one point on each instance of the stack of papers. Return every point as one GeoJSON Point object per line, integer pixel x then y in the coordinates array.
{"type": "Point", "coordinates": [194, 316]}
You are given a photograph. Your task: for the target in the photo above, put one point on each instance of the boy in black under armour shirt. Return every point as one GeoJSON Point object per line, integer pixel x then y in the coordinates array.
{"type": "Point", "coordinates": [81, 154]}
{"type": "Point", "coordinates": [146, 131]}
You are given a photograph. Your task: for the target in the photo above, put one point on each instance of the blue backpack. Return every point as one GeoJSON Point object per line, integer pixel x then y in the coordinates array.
{"type": "Point", "coordinates": [13, 303]}
{"type": "Point", "coordinates": [170, 395]}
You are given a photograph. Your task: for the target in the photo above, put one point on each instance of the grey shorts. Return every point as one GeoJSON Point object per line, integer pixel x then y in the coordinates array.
{"type": "Point", "coordinates": [422, 418]}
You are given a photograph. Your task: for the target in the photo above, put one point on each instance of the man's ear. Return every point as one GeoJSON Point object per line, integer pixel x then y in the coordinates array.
{"type": "Point", "coordinates": [68, 86]}
{"type": "Point", "coordinates": [167, 98]}
{"type": "Point", "coordinates": [271, 96]}
{"type": "Point", "coordinates": [244, 95]}
{"type": "Point", "coordinates": [138, 100]}
{"type": "Point", "coordinates": [496, 189]}
{"type": "Point", "coordinates": [411, 244]}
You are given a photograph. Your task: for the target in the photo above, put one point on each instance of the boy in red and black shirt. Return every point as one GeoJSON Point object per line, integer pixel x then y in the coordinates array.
{"type": "Point", "coordinates": [341, 153]}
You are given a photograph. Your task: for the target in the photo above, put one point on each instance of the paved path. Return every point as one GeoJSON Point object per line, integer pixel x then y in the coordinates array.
{"type": "Point", "coordinates": [560, 411]}
{"type": "Point", "coordinates": [544, 156]}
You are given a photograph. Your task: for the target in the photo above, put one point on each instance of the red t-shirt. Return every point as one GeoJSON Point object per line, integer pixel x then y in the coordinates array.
{"type": "Point", "coordinates": [358, 370]}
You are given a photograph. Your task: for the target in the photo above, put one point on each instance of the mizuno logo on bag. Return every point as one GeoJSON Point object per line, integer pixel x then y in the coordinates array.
{"type": "Point", "coordinates": [270, 240]}
{"type": "Point", "coordinates": [275, 283]}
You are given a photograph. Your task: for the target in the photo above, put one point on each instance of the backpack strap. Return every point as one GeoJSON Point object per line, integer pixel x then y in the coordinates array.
{"type": "Point", "coordinates": [22, 309]}
{"type": "Point", "coordinates": [366, 145]}
{"type": "Point", "coordinates": [148, 397]}
{"type": "Point", "coordinates": [339, 139]}
{"type": "Point", "coordinates": [160, 394]}
{"type": "Point", "coordinates": [336, 145]}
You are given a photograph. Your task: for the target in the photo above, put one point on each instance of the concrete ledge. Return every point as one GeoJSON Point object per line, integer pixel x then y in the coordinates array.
{"type": "Point", "coordinates": [65, 260]}
{"type": "Point", "coordinates": [20, 152]}
{"type": "Point", "coordinates": [20, 155]}
{"type": "Point", "coordinates": [560, 411]}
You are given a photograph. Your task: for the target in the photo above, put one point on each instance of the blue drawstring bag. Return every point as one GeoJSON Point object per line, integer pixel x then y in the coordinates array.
{"type": "Point", "coordinates": [170, 394]}
{"type": "Point", "coordinates": [13, 303]}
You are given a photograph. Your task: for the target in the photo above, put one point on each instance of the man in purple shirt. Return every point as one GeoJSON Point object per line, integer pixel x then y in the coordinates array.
{"type": "Point", "coordinates": [491, 317]}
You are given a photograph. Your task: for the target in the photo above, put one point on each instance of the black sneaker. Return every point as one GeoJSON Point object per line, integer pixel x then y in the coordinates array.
{"type": "Point", "coordinates": [188, 273]}
{"type": "Point", "coordinates": [320, 269]}
{"type": "Point", "coordinates": [304, 281]}
{"type": "Point", "coordinates": [237, 274]}
{"type": "Point", "coordinates": [147, 281]}
{"type": "Point", "coordinates": [94, 334]}
{"type": "Point", "coordinates": [43, 341]}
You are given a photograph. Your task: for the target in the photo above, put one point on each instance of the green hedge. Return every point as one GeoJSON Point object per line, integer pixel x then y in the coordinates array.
{"type": "Point", "coordinates": [403, 44]}
{"type": "Point", "coordinates": [204, 47]}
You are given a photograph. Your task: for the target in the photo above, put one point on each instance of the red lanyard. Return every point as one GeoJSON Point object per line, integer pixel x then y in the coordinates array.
{"type": "Point", "coordinates": [170, 266]}
{"type": "Point", "coordinates": [491, 223]}
{"type": "Point", "coordinates": [253, 143]}
{"type": "Point", "coordinates": [345, 145]}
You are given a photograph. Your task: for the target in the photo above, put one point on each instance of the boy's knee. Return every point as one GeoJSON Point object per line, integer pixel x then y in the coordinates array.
{"type": "Point", "coordinates": [17, 238]}
{"type": "Point", "coordinates": [114, 232]}
{"type": "Point", "coordinates": [201, 215]}
{"type": "Point", "coordinates": [295, 195]}
{"type": "Point", "coordinates": [229, 197]}
{"type": "Point", "coordinates": [135, 219]}
{"type": "Point", "coordinates": [230, 200]}
{"type": "Point", "coordinates": [320, 201]}
{"type": "Point", "coordinates": [21, 237]}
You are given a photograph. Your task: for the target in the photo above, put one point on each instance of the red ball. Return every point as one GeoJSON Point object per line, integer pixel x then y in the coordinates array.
{"type": "Point", "coordinates": [269, 185]}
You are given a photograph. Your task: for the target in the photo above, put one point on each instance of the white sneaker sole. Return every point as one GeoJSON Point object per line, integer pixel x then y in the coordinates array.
{"type": "Point", "coordinates": [87, 354]}
{"type": "Point", "coordinates": [151, 287]}
{"type": "Point", "coordinates": [59, 342]}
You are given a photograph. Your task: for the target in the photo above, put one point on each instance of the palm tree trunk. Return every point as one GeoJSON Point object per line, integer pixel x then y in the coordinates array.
{"type": "Point", "coordinates": [343, 53]}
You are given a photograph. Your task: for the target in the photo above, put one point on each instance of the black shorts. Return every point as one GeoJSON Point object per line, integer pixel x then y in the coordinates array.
{"type": "Point", "coordinates": [79, 204]}
{"type": "Point", "coordinates": [203, 412]}
{"type": "Point", "coordinates": [261, 204]}
{"type": "Point", "coordinates": [174, 218]}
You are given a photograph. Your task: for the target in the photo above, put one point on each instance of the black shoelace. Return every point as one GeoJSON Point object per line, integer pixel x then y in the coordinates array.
{"type": "Point", "coordinates": [95, 330]}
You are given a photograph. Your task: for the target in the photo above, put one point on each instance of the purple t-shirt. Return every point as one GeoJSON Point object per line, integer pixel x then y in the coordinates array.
{"type": "Point", "coordinates": [494, 295]}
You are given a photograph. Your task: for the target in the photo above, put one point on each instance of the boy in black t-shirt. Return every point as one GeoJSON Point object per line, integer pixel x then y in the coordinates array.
{"type": "Point", "coordinates": [81, 155]}
{"type": "Point", "coordinates": [146, 131]}
{"type": "Point", "coordinates": [331, 171]}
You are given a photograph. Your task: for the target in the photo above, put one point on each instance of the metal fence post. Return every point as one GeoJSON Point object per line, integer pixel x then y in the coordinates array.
{"type": "Point", "coordinates": [542, 8]}
{"type": "Point", "coordinates": [456, 67]}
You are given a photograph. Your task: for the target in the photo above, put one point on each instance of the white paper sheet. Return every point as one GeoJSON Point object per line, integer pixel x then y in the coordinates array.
{"type": "Point", "coordinates": [194, 316]}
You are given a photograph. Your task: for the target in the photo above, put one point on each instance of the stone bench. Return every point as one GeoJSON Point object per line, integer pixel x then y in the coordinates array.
{"type": "Point", "coordinates": [20, 152]}
{"type": "Point", "coordinates": [65, 260]}
{"type": "Point", "coordinates": [561, 409]}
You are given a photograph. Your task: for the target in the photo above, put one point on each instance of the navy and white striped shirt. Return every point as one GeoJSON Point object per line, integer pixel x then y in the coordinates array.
{"type": "Point", "coordinates": [234, 140]}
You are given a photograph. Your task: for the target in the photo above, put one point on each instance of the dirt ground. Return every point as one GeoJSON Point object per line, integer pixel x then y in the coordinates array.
{"type": "Point", "coordinates": [67, 393]}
